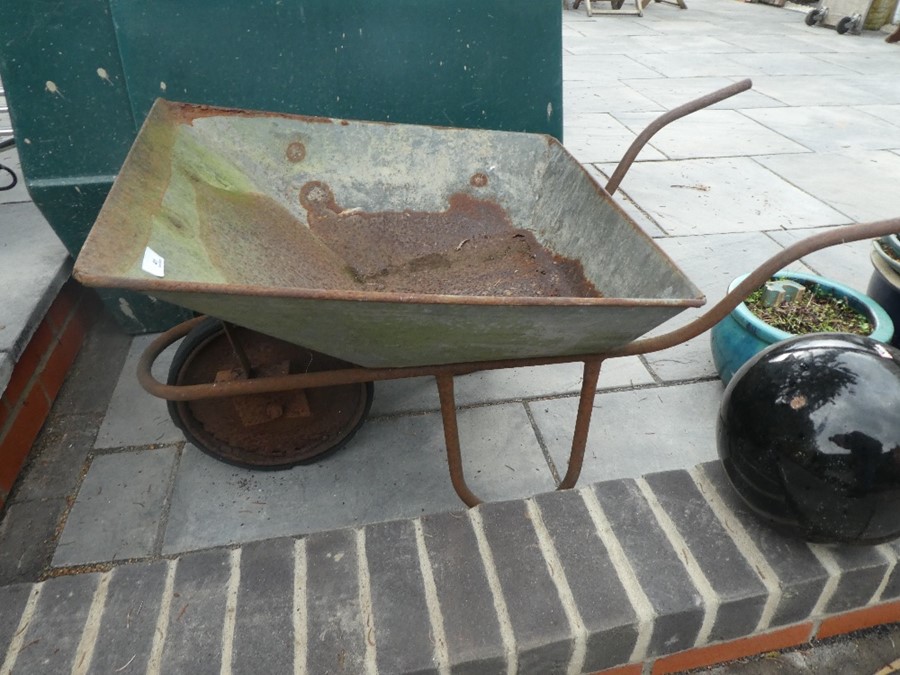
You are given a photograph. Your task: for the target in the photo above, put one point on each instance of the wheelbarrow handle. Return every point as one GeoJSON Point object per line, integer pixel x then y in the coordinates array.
{"type": "Point", "coordinates": [793, 253]}
{"type": "Point", "coordinates": [661, 121]}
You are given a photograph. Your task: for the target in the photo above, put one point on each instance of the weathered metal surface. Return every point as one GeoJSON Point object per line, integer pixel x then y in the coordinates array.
{"type": "Point", "coordinates": [270, 429]}
{"type": "Point", "coordinates": [225, 197]}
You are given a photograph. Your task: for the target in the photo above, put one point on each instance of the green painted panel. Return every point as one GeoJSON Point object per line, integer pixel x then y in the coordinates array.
{"type": "Point", "coordinates": [469, 63]}
{"type": "Point", "coordinates": [61, 70]}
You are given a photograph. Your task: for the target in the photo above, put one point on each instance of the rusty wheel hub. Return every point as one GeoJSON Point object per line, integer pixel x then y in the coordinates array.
{"type": "Point", "coordinates": [264, 431]}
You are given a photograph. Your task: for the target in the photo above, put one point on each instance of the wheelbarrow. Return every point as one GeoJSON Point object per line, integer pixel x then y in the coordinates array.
{"type": "Point", "coordinates": [334, 254]}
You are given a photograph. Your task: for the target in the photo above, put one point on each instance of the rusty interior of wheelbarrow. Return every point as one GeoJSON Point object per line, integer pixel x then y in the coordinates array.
{"type": "Point", "coordinates": [335, 253]}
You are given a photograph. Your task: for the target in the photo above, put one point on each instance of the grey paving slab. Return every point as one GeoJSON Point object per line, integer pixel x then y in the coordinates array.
{"type": "Point", "coordinates": [264, 628]}
{"type": "Point", "coordinates": [712, 133]}
{"type": "Point", "coordinates": [134, 417]}
{"type": "Point", "coordinates": [26, 538]}
{"type": "Point", "coordinates": [417, 394]}
{"type": "Point", "coordinates": [863, 63]}
{"type": "Point", "coordinates": [698, 43]}
{"type": "Point", "coordinates": [870, 195]}
{"type": "Point", "coordinates": [847, 264]}
{"type": "Point", "coordinates": [888, 113]}
{"type": "Point", "coordinates": [119, 508]}
{"type": "Point", "coordinates": [403, 630]}
{"type": "Point", "coordinates": [13, 599]}
{"type": "Point", "coordinates": [393, 468]}
{"type": "Point", "coordinates": [599, 27]}
{"type": "Point", "coordinates": [612, 44]}
{"type": "Point", "coordinates": [741, 593]}
{"type": "Point", "coordinates": [471, 626]}
{"type": "Point", "coordinates": [600, 597]}
{"type": "Point", "coordinates": [686, 361]}
{"type": "Point", "coordinates": [682, 25]}
{"type": "Point", "coordinates": [695, 65]}
{"type": "Point", "coordinates": [585, 97]}
{"type": "Point", "coordinates": [810, 90]}
{"type": "Point", "coordinates": [539, 623]}
{"type": "Point", "coordinates": [788, 63]}
{"type": "Point", "coordinates": [712, 196]}
{"type": "Point", "coordinates": [524, 383]}
{"type": "Point", "coordinates": [829, 128]}
{"type": "Point", "coordinates": [420, 394]}
{"type": "Point", "coordinates": [671, 92]}
{"type": "Point", "coordinates": [333, 613]}
{"type": "Point", "coordinates": [128, 622]}
{"type": "Point", "coordinates": [775, 43]}
{"type": "Point", "coordinates": [197, 613]}
{"type": "Point", "coordinates": [598, 137]}
{"type": "Point", "coordinates": [51, 639]}
{"type": "Point", "coordinates": [614, 66]}
{"type": "Point", "coordinates": [635, 432]}
{"type": "Point", "coordinates": [57, 457]}
{"type": "Point", "coordinates": [638, 214]}
{"type": "Point", "coordinates": [27, 290]}
{"type": "Point", "coordinates": [676, 603]}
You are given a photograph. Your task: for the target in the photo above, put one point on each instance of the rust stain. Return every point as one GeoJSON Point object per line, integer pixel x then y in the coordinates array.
{"type": "Point", "coordinates": [421, 252]}
{"type": "Point", "coordinates": [478, 180]}
{"type": "Point", "coordinates": [296, 152]}
{"type": "Point", "coordinates": [186, 113]}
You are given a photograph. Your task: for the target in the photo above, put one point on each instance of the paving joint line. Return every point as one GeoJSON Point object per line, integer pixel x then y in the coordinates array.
{"type": "Point", "coordinates": [554, 472]}
{"type": "Point", "coordinates": [163, 524]}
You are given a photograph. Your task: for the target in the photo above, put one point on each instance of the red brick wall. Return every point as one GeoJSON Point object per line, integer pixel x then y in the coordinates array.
{"type": "Point", "coordinates": [38, 376]}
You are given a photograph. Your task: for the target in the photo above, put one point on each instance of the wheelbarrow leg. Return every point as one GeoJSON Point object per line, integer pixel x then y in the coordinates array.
{"type": "Point", "coordinates": [582, 423]}
{"type": "Point", "coordinates": [579, 439]}
{"type": "Point", "coordinates": [451, 438]}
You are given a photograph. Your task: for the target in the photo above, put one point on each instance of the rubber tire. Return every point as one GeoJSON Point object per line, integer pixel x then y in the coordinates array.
{"type": "Point", "coordinates": [813, 17]}
{"type": "Point", "coordinates": [206, 330]}
{"type": "Point", "coordinates": [844, 25]}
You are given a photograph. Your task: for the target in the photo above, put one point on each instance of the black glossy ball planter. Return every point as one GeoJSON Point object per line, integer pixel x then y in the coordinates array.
{"type": "Point", "coordinates": [742, 334]}
{"type": "Point", "coordinates": [809, 435]}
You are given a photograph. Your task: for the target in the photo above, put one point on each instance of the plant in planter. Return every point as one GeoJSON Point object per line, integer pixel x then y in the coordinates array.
{"type": "Point", "coordinates": [796, 304]}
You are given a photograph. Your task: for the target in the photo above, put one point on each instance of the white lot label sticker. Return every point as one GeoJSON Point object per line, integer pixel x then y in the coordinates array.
{"type": "Point", "coordinates": [153, 263]}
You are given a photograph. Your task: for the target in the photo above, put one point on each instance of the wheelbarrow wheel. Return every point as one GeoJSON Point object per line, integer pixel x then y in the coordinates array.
{"type": "Point", "coordinates": [263, 431]}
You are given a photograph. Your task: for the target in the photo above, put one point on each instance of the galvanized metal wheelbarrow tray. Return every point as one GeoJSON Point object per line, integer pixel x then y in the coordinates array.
{"type": "Point", "coordinates": [229, 213]}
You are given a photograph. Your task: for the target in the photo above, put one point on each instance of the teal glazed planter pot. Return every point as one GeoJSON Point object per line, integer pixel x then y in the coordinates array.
{"type": "Point", "coordinates": [742, 334]}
